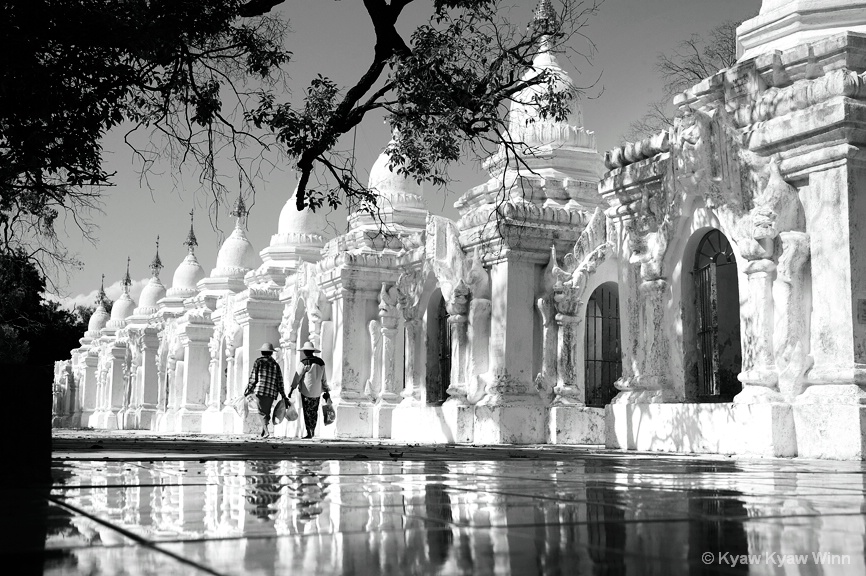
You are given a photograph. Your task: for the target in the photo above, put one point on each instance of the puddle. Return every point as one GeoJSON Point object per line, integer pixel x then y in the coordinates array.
{"type": "Point", "coordinates": [591, 515]}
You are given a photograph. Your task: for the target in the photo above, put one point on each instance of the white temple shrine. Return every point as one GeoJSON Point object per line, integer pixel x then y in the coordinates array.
{"type": "Point", "coordinates": [702, 290]}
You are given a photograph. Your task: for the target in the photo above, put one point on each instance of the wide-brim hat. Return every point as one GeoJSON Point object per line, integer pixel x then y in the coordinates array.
{"type": "Point", "coordinates": [308, 347]}
{"type": "Point", "coordinates": [267, 347]}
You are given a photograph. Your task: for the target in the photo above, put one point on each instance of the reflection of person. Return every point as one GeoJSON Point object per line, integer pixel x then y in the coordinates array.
{"type": "Point", "coordinates": [263, 490]}
{"type": "Point", "coordinates": [266, 381]}
{"type": "Point", "coordinates": [310, 378]}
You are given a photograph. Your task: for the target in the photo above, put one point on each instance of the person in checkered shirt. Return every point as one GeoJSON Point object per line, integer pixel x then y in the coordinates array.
{"type": "Point", "coordinates": [266, 382]}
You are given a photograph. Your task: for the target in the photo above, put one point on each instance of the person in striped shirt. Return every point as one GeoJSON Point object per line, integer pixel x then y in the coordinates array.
{"type": "Point", "coordinates": [266, 382]}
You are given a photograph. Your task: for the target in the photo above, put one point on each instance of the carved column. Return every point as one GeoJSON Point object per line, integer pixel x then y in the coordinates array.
{"type": "Point", "coordinates": [458, 308]}
{"type": "Point", "coordinates": [792, 316]}
{"type": "Point", "coordinates": [655, 356]}
{"type": "Point", "coordinates": [218, 371]}
{"type": "Point", "coordinates": [630, 330]}
{"type": "Point", "coordinates": [409, 287]}
{"type": "Point", "coordinates": [115, 384]}
{"type": "Point", "coordinates": [195, 332]}
{"type": "Point", "coordinates": [149, 398]}
{"type": "Point", "coordinates": [569, 381]}
{"type": "Point", "coordinates": [759, 374]}
{"type": "Point", "coordinates": [546, 380]}
{"type": "Point", "coordinates": [88, 388]}
{"type": "Point", "coordinates": [373, 386]}
{"type": "Point", "coordinates": [388, 320]}
{"type": "Point", "coordinates": [480, 310]}
{"type": "Point", "coordinates": [349, 377]}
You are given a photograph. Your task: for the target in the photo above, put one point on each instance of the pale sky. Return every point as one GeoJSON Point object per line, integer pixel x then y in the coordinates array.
{"type": "Point", "coordinates": [334, 38]}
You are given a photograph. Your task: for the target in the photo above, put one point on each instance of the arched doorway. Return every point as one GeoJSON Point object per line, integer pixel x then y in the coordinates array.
{"type": "Point", "coordinates": [438, 350]}
{"type": "Point", "coordinates": [718, 318]}
{"type": "Point", "coordinates": [602, 358]}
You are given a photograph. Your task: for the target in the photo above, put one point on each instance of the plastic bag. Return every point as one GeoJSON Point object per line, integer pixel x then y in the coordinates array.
{"type": "Point", "coordinates": [279, 412]}
{"type": "Point", "coordinates": [328, 413]}
{"type": "Point", "coordinates": [240, 405]}
{"type": "Point", "coordinates": [291, 413]}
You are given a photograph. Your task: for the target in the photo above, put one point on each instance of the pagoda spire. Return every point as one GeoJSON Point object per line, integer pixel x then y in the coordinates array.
{"type": "Point", "coordinates": [100, 296]}
{"type": "Point", "coordinates": [545, 17]}
{"type": "Point", "coordinates": [127, 279]}
{"type": "Point", "coordinates": [156, 263]}
{"type": "Point", "coordinates": [240, 212]}
{"type": "Point", "coordinates": [190, 241]}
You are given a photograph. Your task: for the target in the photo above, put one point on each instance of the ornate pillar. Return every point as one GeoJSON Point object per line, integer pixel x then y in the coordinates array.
{"type": "Point", "coordinates": [458, 308]}
{"type": "Point", "coordinates": [409, 288]}
{"type": "Point", "coordinates": [655, 353]}
{"type": "Point", "coordinates": [388, 320]}
{"type": "Point", "coordinates": [791, 318]}
{"type": "Point", "coordinates": [759, 375]}
{"type": "Point", "coordinates": [569, 387]}
{"type": "Point", "coordinates": [88, 387]}
{"type": "Point", "coordinates": [512, 411]}
{"type": "Point", "coordinates": [480, 310]}
{"type": "Point", "coordinates": [545, 381]}
{"type": "Point", "coordinates": [115, 387]}
{"type": "Point", "coordinates": [195, 330]}
{"type": "Point", "coordinates": [145, 416]}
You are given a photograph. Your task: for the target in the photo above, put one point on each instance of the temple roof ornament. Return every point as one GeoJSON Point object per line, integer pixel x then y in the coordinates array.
{"type": "Point", "coordinates": [126, 283]}
{"type": "Point", "coordinates": [156, 263]}
{"type": "Point", "coordinates": [100, 296]}
{"type": "Point", "coordinates": [191, 242]}
{"type": "Point", "coordinates": [545, 16]}
{"type": "Point", "coordinates": [240, 212]}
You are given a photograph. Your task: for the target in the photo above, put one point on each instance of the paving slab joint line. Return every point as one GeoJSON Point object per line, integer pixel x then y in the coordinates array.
{"type": "Point", "coordinates": [134, 537]}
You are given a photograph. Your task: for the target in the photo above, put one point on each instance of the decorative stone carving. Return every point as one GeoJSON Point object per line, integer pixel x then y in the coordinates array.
{"type": "Point", "coordinates": [388, 302]}
{"type": "Point", "coordinates": [410, 286]}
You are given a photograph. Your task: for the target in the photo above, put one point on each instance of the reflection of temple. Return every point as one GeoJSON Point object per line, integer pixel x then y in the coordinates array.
{"type": "Point", "coordinates": [597, 515]}
{"type": "Point", "coordinates": [704, 296]}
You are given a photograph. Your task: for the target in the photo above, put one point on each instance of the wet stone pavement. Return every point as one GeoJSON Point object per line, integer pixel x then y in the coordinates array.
{"type": "Point", "coordinates": [136, 504]}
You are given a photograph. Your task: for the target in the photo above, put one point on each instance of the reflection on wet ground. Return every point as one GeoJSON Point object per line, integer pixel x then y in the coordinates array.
{"type": "Point", "coordinates": [596, 513]}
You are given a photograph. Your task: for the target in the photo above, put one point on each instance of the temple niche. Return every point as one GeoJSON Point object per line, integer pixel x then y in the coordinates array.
{"type": "Point", "coordinates": [696, 291]}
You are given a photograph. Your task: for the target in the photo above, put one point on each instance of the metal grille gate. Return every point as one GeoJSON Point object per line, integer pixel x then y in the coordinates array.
{"type": "Point", "coordinates": [603, 363]}
{"type": "Point", "coordinates": [713, 251]}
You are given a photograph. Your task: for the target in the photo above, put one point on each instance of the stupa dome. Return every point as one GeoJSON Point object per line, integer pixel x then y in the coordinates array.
{"type": "Point", "coordinates": [122, 309]}
{"type": "Point", "coordinates": [524, 112]}
{"type": "Point", "coordinates": [124, 306]}
{"type": "Point", "coordinates": [187, 274]}
{"type": "Point", "coordinates": [294, 221]}
{"type": "Point", "coordinates": [97, 322]}
{"type": "Point", "coordinates": [236, 256]}
{"type": "Point", "coordinates": [390, 183]}
{"type": "Point", "coordinates": [153, 292]}
{"type": "Point", "coordinates": [524, 121]}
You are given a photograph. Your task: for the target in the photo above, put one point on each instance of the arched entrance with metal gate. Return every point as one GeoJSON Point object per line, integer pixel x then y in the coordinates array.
{"type": "Point", "coordinates": [438, 350]}
{"type": "Point", "coordinates": [718, 318]}
{"type": "Point", "coordinates": [602, 358]}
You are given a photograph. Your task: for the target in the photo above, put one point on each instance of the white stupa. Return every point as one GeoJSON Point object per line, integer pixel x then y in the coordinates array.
{"type": "Point", "coordinates": [300, 236]}
{"type": "Point", "coordinates": [98, 319]}
{"type": "Point", "coordinates": [123, 307]}
{"type": "Point", "coordinates": [560, 158]}
{"type": "Point", "coordinates": [235, 258]}
{"type": "Point", "coordinates": [189, 272]}
{"type": "Point", "coordinates": [399, 200]}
